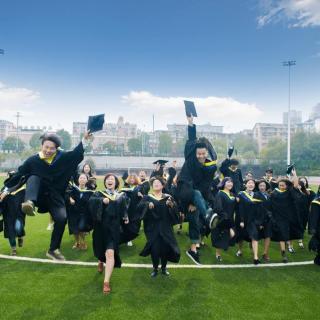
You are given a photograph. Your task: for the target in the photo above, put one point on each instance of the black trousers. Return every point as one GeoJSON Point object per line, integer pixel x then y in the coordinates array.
{"type": "Point", "coordinates": [194, 226]}
{"type": "Point", "coordinates": [54, 202]}
{"type": "Point", "coordinates": [159, 253]}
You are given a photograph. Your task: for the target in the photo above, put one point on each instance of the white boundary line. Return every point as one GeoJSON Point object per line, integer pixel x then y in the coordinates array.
{"type": "Point", "coordinates": [171, 266]}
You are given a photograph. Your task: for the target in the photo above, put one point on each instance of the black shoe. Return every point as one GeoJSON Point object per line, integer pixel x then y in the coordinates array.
{"type": "Point", "coordinates": [265, 258]}
{"type": "Point", "coordinates": [55, 255]}
{"type": "Point", "coordinates": [20, 242]}
{"type": "Point", "coordinates": [194, 256]}
{"type": "Point", "coordinates": [256, 262]}
{"type": "Point", "coordinates": [219, 258]}
{"type": "Point", "coordinates": [317, 260]}
{"type": "Point", "coordinates": [284, 257]}
{"type": "Point", "coordinates": [165, 272]}
{"type": "Point", "coordinates": [154, 273]}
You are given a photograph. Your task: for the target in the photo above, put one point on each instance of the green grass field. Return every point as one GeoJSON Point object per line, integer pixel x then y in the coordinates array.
{"type": "Point", "coordinates": [43, 291]}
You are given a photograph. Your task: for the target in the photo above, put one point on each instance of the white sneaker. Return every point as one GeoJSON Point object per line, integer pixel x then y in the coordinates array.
{"type": "Point", "coordinates": [129, 244]}
{"type": "Point", "coordinates": [239, 253]}
{"type": "Point", "coordinates": [50, 227]}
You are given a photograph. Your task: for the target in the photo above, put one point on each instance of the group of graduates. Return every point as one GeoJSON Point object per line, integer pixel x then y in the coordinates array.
{"type": "Point", "coordinates": [220, 205]}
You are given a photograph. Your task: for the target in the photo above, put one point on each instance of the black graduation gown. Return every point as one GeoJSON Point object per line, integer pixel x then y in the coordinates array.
{"type": "Point", "coordinates": [287, 223]}
{"type": "Point", "coordinates": [253, 214]}
{"type": "Point", "coordinates": [268, 221]}
{"type": "Point", "coordinates": [131, 230]}
{"type": "Point", "coordinates": [54, 177]}
{"type": "Point", "coordinates": [225, 205]}
{"type": "Point", "coordinates": [79, 219]}
{"type": "Point", "coordinates": [272, 182]}
{"type": "Point", "coordinates": [11, 210]}
{"type": "Point", "coordinates": [194, 175]}
{"type": "Point", "coordinates": [158, 224]}
{"type": "Point", "coordinates": [107, 221]}
{"type": "Point", "coordinates": [314, 225]}
{"type": "Point", "coordinates": [235, 175]}
{"type": "Point", "coordinates": [304, 202]}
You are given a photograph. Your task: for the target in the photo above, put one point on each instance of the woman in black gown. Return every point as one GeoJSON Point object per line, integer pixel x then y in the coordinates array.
{"type": "Point", "coordinates": [224, 205]}
{"type": "Point", "coordinates": [160, 214]}
{"type": "Point", "coordinates": [108, 209]}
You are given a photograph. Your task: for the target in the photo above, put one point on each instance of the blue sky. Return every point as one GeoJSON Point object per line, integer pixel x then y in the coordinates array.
{"type": "Point", "coordinates": [65, 60]}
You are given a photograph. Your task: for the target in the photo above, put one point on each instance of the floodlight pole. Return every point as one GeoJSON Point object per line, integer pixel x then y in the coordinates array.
{"type": "Point", "coordinates": [289, 64]}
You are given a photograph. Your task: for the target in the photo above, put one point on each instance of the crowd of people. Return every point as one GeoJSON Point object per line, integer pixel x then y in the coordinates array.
{"type": "Point", "coordinates": [216, 202]}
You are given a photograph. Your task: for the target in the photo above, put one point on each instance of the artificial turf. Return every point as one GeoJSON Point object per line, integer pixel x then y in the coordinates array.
{"type": "Point", "coordinates": [37, 291]}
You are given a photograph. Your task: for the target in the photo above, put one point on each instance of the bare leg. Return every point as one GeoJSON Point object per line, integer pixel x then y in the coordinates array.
{"type": "Point", "coordinates": [77, 241]}
{"type": "Point", "coordinates": [109, 265]}
{"type": "Point", "coordinates": [255, 249]}
{"type": "Point", "coordinates": [266, 246]}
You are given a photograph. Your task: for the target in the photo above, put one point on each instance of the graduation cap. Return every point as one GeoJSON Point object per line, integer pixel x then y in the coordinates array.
{"type": "Point", "coordinates": [95, 123]}
{"type": "Point", "coordinates": [230, 151]}
{"type": "Point", "coordinates": [190, 108]}
{"type": "Point", "coordinates": [161, 162]}
{"type": "Point", "coordinates": [290, 167]}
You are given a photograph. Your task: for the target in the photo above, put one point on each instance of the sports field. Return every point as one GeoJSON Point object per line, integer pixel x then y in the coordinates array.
{"type": "Point", "coordinates": [31, 290]}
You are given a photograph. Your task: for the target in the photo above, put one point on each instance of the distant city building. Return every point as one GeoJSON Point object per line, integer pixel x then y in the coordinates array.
{"type": "Point", "coordinates": [178, 132]}
{"type": "Point", "coordinates": [6, 127]}
{"type": "Point", "coordinates": [313, 123]}
{"type": "Point", "coordinates": [116, 134]}
{"type": "Point", "coordinates": [295, 117]}
{"type": "Point", "coordinates": [315, 114]}
{"type": "Point", "coordinates": [263, 133]}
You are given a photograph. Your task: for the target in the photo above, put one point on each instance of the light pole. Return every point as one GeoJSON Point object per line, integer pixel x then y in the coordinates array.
{"type": "Point", "coordinates": [289, 64]}
{"type": "Point", "coordinates": [18, 116]}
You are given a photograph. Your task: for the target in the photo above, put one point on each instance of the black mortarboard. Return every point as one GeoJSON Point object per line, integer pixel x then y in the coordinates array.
{"type": "Point", "coordinates": [190, 108]}
{"type": "Point", "coordinates": [269, 170]}
{"type": "Point", "coordinates": [161, 162]}
{"type": "Point", "coordinates": [230, 151]}
{"type": "Point", "coordinates": [95, 123]}
{"type": "Point", "coordinates": [290, 167]}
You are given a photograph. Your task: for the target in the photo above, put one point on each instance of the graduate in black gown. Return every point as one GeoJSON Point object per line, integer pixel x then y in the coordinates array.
{"type": "Point", "coordinates": [230, 168]}
{"type": "Point", "coordinates": [314, 228]}
{"type": "Point", "coordinates": [13, 217]}
{"type": "Point", "coordinates": [270, 179]}
{"type": "Point", "coordinates": [161, 214]}
{"type": "Point", "coordinates": [263, 194]}
{"type": "Point", "coordinates": [47, 175]}
{"type": "Point", "coordinates": [225, 203]}
{"type": "Point", "coordinates": [304, 203]}
{"type": "Point", "coordinates": [134, 191]}
{"type": "Point", "coordinates": [194, 186]}
{"type": "Point", "coordinates": [252, 218]}
{"type": "Point", "coordinates": [287, 223]}
{"type": "Point", "coordinates": [77, 199]}
{"type": "Point", "coordinates": [108, 209]}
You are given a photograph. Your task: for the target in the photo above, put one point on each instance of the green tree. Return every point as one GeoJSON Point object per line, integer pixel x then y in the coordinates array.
{"type": "Point", "coordinates": [65, 139]}
{"type": "Point", "coordinates": [109, 147]}
{"type": "Point", "coordinates": [10, 144]}
{"type": "Point", "coordinates": [165, 144]}
{"type": "Point", "coordinates": [35, 140]}
{"type": "Point", "coordinates": [179, 147]}
{"type": "Point", "coordinates": [134, 145]}
{"type": "Point", "coordinates": [245, 145]}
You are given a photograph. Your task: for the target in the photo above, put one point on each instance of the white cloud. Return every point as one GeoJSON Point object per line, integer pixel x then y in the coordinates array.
{"type": "Point", "coordinates": [226, 111]}
{"type": "Point", "coordinates": [298, 13]}
{"type": "Point", "coordinates": [13, 99]}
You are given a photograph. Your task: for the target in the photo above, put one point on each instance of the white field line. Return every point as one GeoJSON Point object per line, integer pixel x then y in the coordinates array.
{"type": "Point", "coordinates": [171, 266]}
